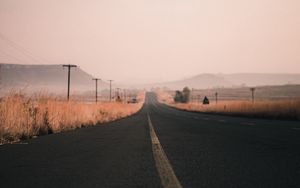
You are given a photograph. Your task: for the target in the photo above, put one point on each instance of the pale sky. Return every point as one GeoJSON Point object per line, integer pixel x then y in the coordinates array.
{"type": "Point", "coordinates": [135, 41]}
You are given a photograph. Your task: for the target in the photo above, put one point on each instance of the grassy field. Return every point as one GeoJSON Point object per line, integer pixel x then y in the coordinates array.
{"type": "Point", "coordinates": [283, 108]}
{"type": "Point", "coordinates": [25, 117]}
{"type": "Point", "coordinates": [244, 93]}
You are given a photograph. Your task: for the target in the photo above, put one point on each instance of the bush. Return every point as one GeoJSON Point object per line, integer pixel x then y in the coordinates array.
{"type": "Point", "coordinates": [183, 96]}
{"type": "Point", "coordinates": [186, 94]}
{"type": "Point", "coordinates": [178, 96]}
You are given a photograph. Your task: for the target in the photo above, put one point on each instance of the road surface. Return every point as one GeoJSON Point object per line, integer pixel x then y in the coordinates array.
{"type": "Point", "coordinates": [160, 147]}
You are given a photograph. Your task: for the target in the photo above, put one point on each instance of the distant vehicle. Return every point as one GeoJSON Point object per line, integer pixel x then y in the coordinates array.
{"type": "Point", "coordinates": [133, 100]}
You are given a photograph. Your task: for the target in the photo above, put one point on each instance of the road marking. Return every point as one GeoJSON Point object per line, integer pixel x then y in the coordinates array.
{"type": "Point", "coordinates": [248, 123]}
{"type": "Point", "coordinates": [163, 166]}
{"type": "Point", "coordinates": [222, 120]}
{"type": "Point", "coordinates": [196, 118]}
{"type": "Point", "coordinates": [20, 143]}
{"type": "Point", "coordinates": [15, 143]}
{"type": "Point", "coordinates": [296, 128]}
{"type": "Point", "coordinates": [205, 118]}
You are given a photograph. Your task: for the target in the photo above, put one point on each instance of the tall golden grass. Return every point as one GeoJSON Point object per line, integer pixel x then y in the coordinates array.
{"type": "Point", "coordinates": [24, 117]}
{"type": "Point", "coordinates": [273, 109]}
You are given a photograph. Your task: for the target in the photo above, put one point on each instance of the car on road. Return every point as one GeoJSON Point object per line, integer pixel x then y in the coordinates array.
{"type": "Point", "coordinates": [133, 100]}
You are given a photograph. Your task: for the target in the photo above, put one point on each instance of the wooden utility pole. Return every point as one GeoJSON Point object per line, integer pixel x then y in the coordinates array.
{"type": "Point", "coordinates": [118, 95]}
{"type": "Point", "coordinates": [110, 89]}
{"type": "Point", "coordinates": [69, 77]}
{"type": "Point", "coordinates": [216, 94]}
{"type": "Point", "coordinates": [125, 96]}
{"type": "Point", "coordinates": [252, 89]}
{"type": "Point", "coordinates": [0, 76]}
{"type": "Point", "coordinates": [96, 81]}
{"type": "Point", "coordinates": [192, 92]}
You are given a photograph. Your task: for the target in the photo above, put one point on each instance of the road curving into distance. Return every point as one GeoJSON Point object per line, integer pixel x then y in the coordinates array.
{"type": "Point", "coordinates": [160, 147]}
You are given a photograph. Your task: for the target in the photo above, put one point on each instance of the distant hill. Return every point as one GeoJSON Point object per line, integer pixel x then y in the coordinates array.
{"type": "Point", "coordinates": [52, 78]}
{"type": "Point", "coordinates": [206, 81]}
{"type": "Point", "coordinates": [199, 81]}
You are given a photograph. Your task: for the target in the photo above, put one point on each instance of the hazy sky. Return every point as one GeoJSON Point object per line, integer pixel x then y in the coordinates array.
{"type": "Point", "coordinates": [153, 40]}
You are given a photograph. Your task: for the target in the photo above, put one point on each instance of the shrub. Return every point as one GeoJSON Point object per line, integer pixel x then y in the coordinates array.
{"type": "Point", "coordinates": [182, 96]}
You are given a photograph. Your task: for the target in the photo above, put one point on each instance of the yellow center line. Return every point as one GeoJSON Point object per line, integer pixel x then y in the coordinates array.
{"type": "Point", "coordinates": [163, 166]}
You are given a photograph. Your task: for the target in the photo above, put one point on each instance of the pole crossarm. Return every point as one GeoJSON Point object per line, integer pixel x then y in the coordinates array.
{"type": "Point", "coordinates": [69, 65]}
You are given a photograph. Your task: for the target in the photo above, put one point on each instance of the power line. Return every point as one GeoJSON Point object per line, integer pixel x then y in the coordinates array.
{"type": "Point", "coordinates": [21, 49]}
{"type": "Point", "coordinates": [11, 56]}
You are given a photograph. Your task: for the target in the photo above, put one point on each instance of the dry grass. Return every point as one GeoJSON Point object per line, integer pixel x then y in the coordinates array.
{"type": "Point", "coordinates": [22, 117]}
{"type": "Point", "coordinates": [273, 109]}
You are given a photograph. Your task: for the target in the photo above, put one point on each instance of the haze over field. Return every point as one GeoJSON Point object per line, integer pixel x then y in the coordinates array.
{"type": "Point", "coordinates": [153, 41]}
{"type": "Point", "coordinates": [53, 78]}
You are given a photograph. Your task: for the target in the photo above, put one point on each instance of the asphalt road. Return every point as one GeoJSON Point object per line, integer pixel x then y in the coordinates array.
{"type": "Point", "coordinates": [202, 151]}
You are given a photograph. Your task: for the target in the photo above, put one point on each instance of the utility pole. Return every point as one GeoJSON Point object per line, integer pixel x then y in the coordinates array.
{"type": "Point", "coordinates": [192, 95]}
{"type": "Point", "coordinates": [216, 94]}
{"type": "Point", "coordinates": [252, 89]}
{"type": "Point", "coordinates": [96, 80]}
{"type": "Point", "coordinates": [125, 96]}
{"type": "Point", "coordinates": [118, 91]}
{"type": "Point", "coordinates": [69, 76]}
{"type": "Point", "coordinates": [118, 94]}
{"type": "Point", "coordinates": [110, 89]}
{"type": "Point", "coordinates": [0, 77]}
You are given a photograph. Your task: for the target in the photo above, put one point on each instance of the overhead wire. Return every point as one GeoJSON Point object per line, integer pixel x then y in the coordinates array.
{"type": "Point", "coordinates": [10, 56]}
{"type": "Point", "coordinates": [22, 50]}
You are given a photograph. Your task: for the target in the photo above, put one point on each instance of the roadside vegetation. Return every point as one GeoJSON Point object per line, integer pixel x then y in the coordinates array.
{"type": "Point", "coordinates": [288, 108]}
{"type": "Point", "coordinates": [24, 117]}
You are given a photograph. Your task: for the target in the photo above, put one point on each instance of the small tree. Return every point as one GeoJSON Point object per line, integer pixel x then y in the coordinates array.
{"type": "Point", "coordinates": [182, 96]}
{"type": "Point", "coordinates": [178, 96]}
{"type": "Point", "coordinates": [186, 92]}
